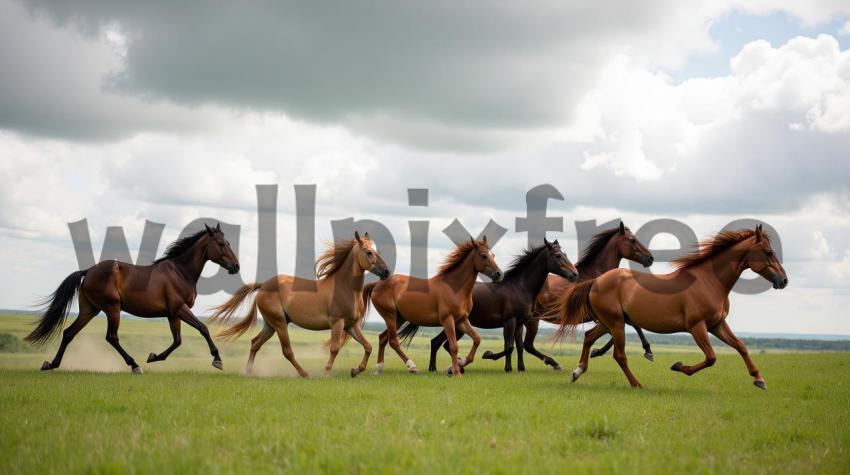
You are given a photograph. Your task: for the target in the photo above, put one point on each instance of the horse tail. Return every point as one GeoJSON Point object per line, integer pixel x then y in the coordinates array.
{"type": "Point", "coordinates": [55, 308]}
{"type": "Point", "coordinates": [367, 296]}
{"type": "Point", "coordinates": [572, 308]}
{"type": "Point", "coordinates": [407, 332]}
{"type": "Point", "coordinates": [224, 312]}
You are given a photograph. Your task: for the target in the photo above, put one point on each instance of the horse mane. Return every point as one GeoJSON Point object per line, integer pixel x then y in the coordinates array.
{"type": "Point", "coordinates": [334, 256]}
{"type": "Point", "coordinates": [596, 245]}
{"type": "Point", "coordinates": [181, 245]}
{"type": "Point", "coordinates": [709, 247]}
{"type": "Point", "coordinates": [455, 257]}
{"type": "Point", "coordinates": [522, 261]}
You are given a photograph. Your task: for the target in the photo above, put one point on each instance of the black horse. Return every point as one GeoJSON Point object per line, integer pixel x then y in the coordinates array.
{"type": "Point", "coordinates": [508, 304]}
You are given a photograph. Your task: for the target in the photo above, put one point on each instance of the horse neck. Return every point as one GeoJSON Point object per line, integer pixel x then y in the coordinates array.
{"type": "Point", "coordinates": [463, 276]}
{"type": "Point", "coordinates": [602, 262]}
{"type": "Point", "coordinates": [533, 277]}
{"type": "Point", "coordinates": [191, 263]}
{"type": "Point", "coordinates": [349, 275]}
{"type": "Point", "coordinates": [724, 268]}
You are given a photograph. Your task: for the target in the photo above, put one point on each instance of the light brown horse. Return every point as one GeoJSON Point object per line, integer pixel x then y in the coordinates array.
{"type": "Point", "coordinates": [694, 299]}
{"type": "Point", "coordinates": [167, 288]}
{"type": "Point", "coordinates": [332, 302]}
{"type": "Point", "coordinates": [443, 300]}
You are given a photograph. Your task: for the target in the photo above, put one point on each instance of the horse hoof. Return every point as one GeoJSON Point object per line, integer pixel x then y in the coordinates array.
{"type": "Point", "coordinates": [576, 373]}
{"type": "Point", "coordinates": [648, 355]}
{"type": "Point", "coordinates": [151, 357]}
{"type": "Point", "coordinates": [414, 370]}
{"type": "Point", "coordinates": [488, 355]}
{"type": "Point", "coordinates": [450, 371]}
{"type": "Point", "coordinates": [462, 370]}
{"type": "Point", "coordinates": [46, 366]}
{"type": "Point", "coordinates": [217, 364]}
{"type": "Point", "coordinates": [557, 367]}
{"type": "Point", "coordinates": [355, 372]}
{"type": "Point", "coordinates": [509, 370]}
{"type": "Point", "coordinates": [760, 384]}
{"type": "Point", "coordinates": [595, 353]}
{"type": "Point", "coordinates": [137, 370]}
{"type": "Point", "coordinates": [677, 366]}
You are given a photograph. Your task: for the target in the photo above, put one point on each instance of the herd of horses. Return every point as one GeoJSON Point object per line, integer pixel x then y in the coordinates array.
{"type": "Point", "coordinates": [540, 284]}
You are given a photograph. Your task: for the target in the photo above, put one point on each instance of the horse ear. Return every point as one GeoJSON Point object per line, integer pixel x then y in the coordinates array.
{"type": "Point", "coordinates": [218, 227]}
{"type": "Point", "coordinates": [209, 229]}
{"type": "Point", "coordinates": [759, 233]}
{"type": "Point", "coordinates": [556, 243]}
{"type": "Point", "coordinates": [547, 243]}
{"type": "Point", "coordinates": [484, 239]}
{"type": "Point", "coordinates": [622, 228]}
{"type": "Point", "coordinates": [366, 236]}
{"type": "Point", "coordinates": [357, 237]}
{"type": "Point", "coordinates": [474, 244]}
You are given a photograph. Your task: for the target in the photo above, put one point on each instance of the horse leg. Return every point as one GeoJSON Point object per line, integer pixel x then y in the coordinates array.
{"type": "Point", "coordinates": [286, 346]}
{"type": "Point", "coordinates": [725, 334]}
{"type": "Point", "coordinates": [604, 349]}
{"type": "Point", "coordinates": [590, 337]}
{"type": "Point", "coordinates": [87, 312]}
{"type": "Point", "coordinates": [113, 319]}
{"type": "Point", "coordinates": [383, 339]}
{"type": "Point", "coordinates": [337, 327]}
{"type": "Point", "coordinates": [700, 334]}
{"type": "Point", "coordinates": [392, 336]}
{"type": "Point", "coordinates": [619, 334]}
{"type": "Point", "coordinates": [449, 330]}
{"type": "Point", "coordinates": [185, 314]}
{"type": "Point", "coordinates": [357, 334]}
{"type": "Point", "coordinates": [436, 343]}
{"type": "Point", "coordinates": [476, 341]}
{"type": "Point", "coordinates": [508, 332]}
{"type": "Point", "coordinates": [256, 343]}
{"type": "Point", "coordinates": [528, 344]}
{"type": "Point", "coordinates": [647, 350]}
{"type": "Point", "coordinates": [520, 361]}
{"type": "Point", "coordinates": [174, 324]}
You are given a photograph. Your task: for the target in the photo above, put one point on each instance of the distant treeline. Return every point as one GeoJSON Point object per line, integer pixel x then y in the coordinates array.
{"type": "Point", "coordinates": [679, 339]}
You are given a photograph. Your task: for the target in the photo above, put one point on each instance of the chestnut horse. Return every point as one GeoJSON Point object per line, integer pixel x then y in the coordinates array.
{"type": "Point", "coordinates": [508, 304]}
{"type": "Point", "coordinates": [165, 289]}
{"type": "Point", "coordinates": [332, 302]}
{"type": "Point", "coordinates": [693, 298]}
{"type": "Point", "coordinates": [443, 300]}
{"type": "Point", "coordinates": [602, 254]}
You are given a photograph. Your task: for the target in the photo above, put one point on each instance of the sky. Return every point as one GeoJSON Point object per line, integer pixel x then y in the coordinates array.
{"type": "Point", "coordinates": [705, 112]}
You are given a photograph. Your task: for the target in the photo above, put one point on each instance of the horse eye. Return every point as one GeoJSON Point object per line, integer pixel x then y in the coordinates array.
{"type": "Point", "coordinates": [769, 253]}
{"type": "Point", "coordinates": [369, 253]}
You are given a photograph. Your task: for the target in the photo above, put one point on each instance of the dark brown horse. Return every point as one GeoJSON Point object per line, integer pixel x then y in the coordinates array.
{"type": "Point", "coordinates": [508, 304]}
{"type": "Point", "coordinates": [443, 300]}
{"type": "Point", "coordinates": [164, 289]}
{"type": "Point", "coordinates": [694, 298]}
{"type": "Point", "coordinates": [603, 253]}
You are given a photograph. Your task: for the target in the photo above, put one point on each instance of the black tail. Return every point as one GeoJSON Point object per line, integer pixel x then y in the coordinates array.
{"type": "Point", "coordinates": [407, 332]}
{"type": "Point", "coordinates": [56, 308]}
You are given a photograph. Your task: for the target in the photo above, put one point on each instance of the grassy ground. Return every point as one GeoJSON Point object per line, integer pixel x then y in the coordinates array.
{"type": "Point", "coordinates": [184, 416]}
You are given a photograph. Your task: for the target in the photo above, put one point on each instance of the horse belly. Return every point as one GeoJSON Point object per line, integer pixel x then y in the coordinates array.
{"type": "Point", "coordinates": [307, 310]}
{"type": "Point", "coordinates": [418, 309]}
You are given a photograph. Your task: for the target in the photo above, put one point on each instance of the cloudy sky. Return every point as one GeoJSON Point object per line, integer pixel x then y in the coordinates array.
{"type": "Point", "coordinates": [705, 112]}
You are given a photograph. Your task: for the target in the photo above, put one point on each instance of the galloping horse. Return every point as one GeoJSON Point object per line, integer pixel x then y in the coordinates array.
{"type": "Point", "coordinates": [165, 289]}
{"type": "Point", "coordinates": [508, 304]}
{"type": "Point", "coordinates": [602, 254]}
{"type": "Point", "coordinates": [443, 300]}
{"type": "Point", "coordinates": [694, 298]}
{"type": "Point", "coordinates": [334, 303]}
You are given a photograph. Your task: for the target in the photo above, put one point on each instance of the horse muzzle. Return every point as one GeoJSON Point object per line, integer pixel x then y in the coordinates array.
{"type": "Point", "coordinates": [780, 282]}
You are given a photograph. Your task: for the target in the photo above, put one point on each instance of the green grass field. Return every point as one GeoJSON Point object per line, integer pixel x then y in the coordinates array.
{"type": "Point", "coordinates": [182, 415]}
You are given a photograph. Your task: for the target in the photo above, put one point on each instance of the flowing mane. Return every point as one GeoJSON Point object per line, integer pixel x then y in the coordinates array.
{"type": "Point", "coordinates": [596, 245]}
{"type": "Point", "coordinates": [334, 256]}
{"type": "Point", "coordinates": [455, 258]}
{"type": "Point", "coordinates": [708, 248]}
{"type": "Point", "coordinates": [522, 261]}
{"type": "Point", "coordinates": [181, 245]}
